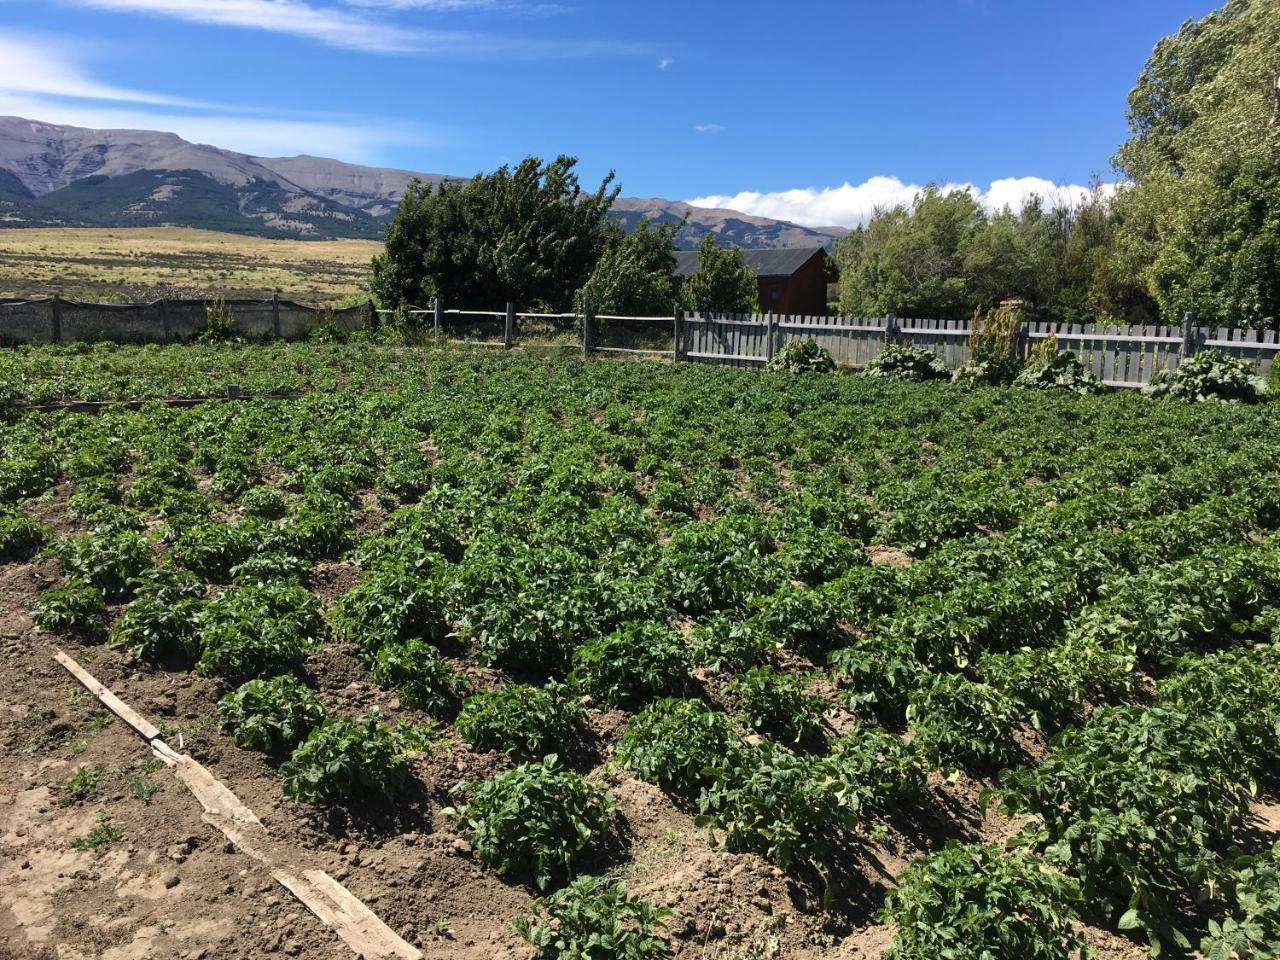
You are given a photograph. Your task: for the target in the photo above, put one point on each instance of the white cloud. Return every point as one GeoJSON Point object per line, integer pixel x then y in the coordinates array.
{"type": "Point", "coordinates": [328, 25]}
{"type": "Point", "coordinates": [28, 66]}
{"type": "Point", "coordinates": [40, 79]}
{"type": "Point", "coordinates": [709, 128]}
{"type": "Point", "coordinates": [852, 206]}
{"type": "Point", "coordinates": [351, 30]}
{"type": "Point", "coordinates": [664, 63]}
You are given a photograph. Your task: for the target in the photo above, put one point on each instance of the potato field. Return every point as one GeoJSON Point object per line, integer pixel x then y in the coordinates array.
{"type": "Point", "coordinates": [551, 658]}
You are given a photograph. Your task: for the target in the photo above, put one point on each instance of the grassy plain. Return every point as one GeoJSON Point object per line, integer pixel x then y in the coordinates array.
{"type": "Point", "coordinates": [127, 264]}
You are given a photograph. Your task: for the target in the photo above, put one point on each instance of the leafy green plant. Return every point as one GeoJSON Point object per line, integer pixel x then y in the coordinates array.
{"type": "Point", "coordinates": [100, 836]}
{"type": "Point", "coordinates": [108, 560]}
{"type": "Point", "coordinates": [266, 503]}
{"type": "Point", "coordinates": [1251, 928]}
{"type": "Point", "coordinates": [526, 722]}
{"type": "Point", "coordinates": [257, 631]}
{"type": "Point", "coordinates": [682, 745]}
{"type": "Point", "coordinates": [589, 920]}
{"type": "Point", "coordinates": [778, 703]}
{"type": "Point", "coordinates": [803, 356]}
{"type": "Point", "coordinates": [342, 759]}
{"type": "Point", "coordinates": [423, 679]}
{"type": "Point", "coordinates": [1061, 370]}
{"type": "Point", "coordinates": [219, 324]}
{"type": "Point", "coordinates": [391, 605]}
{"type": "Point", "coordinates": [976, 902]}
{"type": "Point", "coordinates": [631, 666]}
{"type": "Point", "coordinates": [163, 622]}
{"type": "Point", "coordinates": [783, 805]}
{"type": "Point", "coordinates": [18, 532]}
{"type": "Point", "coordinates": [533, 820]}
{"type": "Point", "coordinates": [879, 770]}
{"type": "Point", "coordinates": [956, 720]}
{"type": "Point", "coordinates": [903, 361]}
{"type": "Point", "coordinates": [82, 783]}
{"type": "Point", "coordinates": [1211, 375]}
{"type": "Point", "coordinates": [270, 714]}
{"type": "Point", "coordinates": [75, 608]}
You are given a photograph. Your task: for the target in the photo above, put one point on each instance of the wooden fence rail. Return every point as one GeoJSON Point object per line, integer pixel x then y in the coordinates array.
{"type": "Point", "coordinates": [1123, 356]}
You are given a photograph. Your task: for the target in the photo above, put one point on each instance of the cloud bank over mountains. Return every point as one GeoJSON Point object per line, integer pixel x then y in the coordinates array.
{"type": "Point", "coordinates": [852, 205]}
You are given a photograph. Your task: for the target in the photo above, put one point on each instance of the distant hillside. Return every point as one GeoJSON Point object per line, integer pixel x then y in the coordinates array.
{"type": "Point", "coordinates": [52, 175]}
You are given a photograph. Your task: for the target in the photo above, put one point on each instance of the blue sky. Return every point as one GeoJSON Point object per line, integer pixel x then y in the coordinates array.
{"type": "Point", "coordinates": [809, 110]}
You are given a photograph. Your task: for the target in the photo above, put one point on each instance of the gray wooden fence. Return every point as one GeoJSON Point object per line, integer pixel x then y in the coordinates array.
{"type": "Point", "coordinates": [1122, 356]}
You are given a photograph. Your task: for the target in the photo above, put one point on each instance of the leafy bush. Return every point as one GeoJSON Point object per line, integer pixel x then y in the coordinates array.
{"type": "Point", "coordinates": [1241, 685]}
{"type": "Point", "coordinates": [681, 745]}
{"type": "Point", "coordinates": [1251, 928]}
{"type": "Point", "coordinates": [391, 605]}
{"type": "Point", "coordinates": [163, 622]}
{"type": "Point", "coordinates": [219, 323]}
{"type": "Point", "coordinates": [257, 631]}
{"type": "Point", "coordinates": [344, 758]}
{"type": "Point", "coordinates": [75, 608]}
{"type": "Point", "coordinates": [108, 560]}
{"type": "Point", "coordinates": [1211, 375]}
{"type": "Point", "coordinates": [958, 721]}
{"type": "Point", "coordinates": [903, 361]}
{"type": "Point", "coordinates": [880, 771]}
{"type": "Point", "coordinates": [319, 525]}
{"type": "Point", "coordinates": [977, 902]}
{"type": "Point", "coordinates": [18, 531]}
{"type": "Point", "coordinates": [632, 665]}
{"type": "Point", "coordinates": [803, 356]}
{"type": "Point", "coordinates": [266, 503]}
{"type": "Point", "coordinates": [724, 643]}
{"type": "Point", "coordinates": [270, 714]}
{"type": "Point", "coordinates": [422, 678]}
{"type": "Point", "coordinates": [1061, 370]}
{"type": "Point", "coordinates": [533, 820]}
{"type": "Point", "coordinates": [783, 805]}
{"type": "Point", "coordinates": [778, 703]}
{"type": "Point", "coordinates": [993, 346]}
{"type": "Point", "coordinates": [270, 567]}
{"type": "Point", "coordinates": [211, 549]}
{"type": "Point", "coordinates": [590, 921]}
{"type": "Point", "coordinates": [526, 722]}
{"type": "Point", "coordinates": [1105, 787]}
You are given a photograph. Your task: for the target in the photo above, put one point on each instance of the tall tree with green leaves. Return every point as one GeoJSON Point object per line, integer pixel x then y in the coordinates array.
{"type": "Point", "coordinates": [723, 283]}
{"type": "Point", "coordinates": [633, 276]}
{"type": "Point", "coordinates": [1201, 221]}
{"type": "Point", "coordinates": [528, 235]}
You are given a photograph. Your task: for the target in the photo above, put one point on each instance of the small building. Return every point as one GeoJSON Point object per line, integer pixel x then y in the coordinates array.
{"type": "Point", "coordinates": [792, 281]}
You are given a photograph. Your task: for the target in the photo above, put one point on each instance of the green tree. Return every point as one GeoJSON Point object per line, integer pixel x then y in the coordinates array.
{"type": "Point", "coordinates": [1201, 221]}
{"type": "Point", "coordinates": [945, 256]}
{"type": "Point", "coordinates": [723, 283]}
{"type": "Point", "coordinates": [527, 235]}
{"type": "Point", "coordinates": [633, 276]}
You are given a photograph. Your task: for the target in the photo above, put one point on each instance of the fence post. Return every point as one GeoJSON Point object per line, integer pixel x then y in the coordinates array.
{"type": "Point", "coordinates": [676, 330]}
{"type": "Point", "coordinates": [770, 325]}
{"type": "Point", "coordinates": [588, 328]}
{"type": "Point", "coordinates": [508, 330]}
{"type": "Point", "coordinates": [371, 316]}
{"type": "Point", "coordinates": [1189, 340]}
{"type": "Point", "coordinates": [164, 319]}
{"type": "Point", "coordinates": [275, 315]}
{"type": "Point", "coordinates": [437, 315]}
{"type": "Point", "coordinates": [55, 314]}
{"type": "Point", "coordinates": [890, 329]}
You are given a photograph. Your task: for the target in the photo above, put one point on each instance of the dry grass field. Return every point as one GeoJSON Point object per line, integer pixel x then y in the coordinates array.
{"type": "Point", "coordinates": [120, 265]}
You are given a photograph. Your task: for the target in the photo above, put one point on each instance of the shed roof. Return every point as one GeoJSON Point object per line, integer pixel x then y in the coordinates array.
{"type": "Point", "coordinates": [765, 263]}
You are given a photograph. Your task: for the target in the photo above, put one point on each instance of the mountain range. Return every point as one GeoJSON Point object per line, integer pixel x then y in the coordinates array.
{"type": "Point", "coordinates": [55, 175]}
